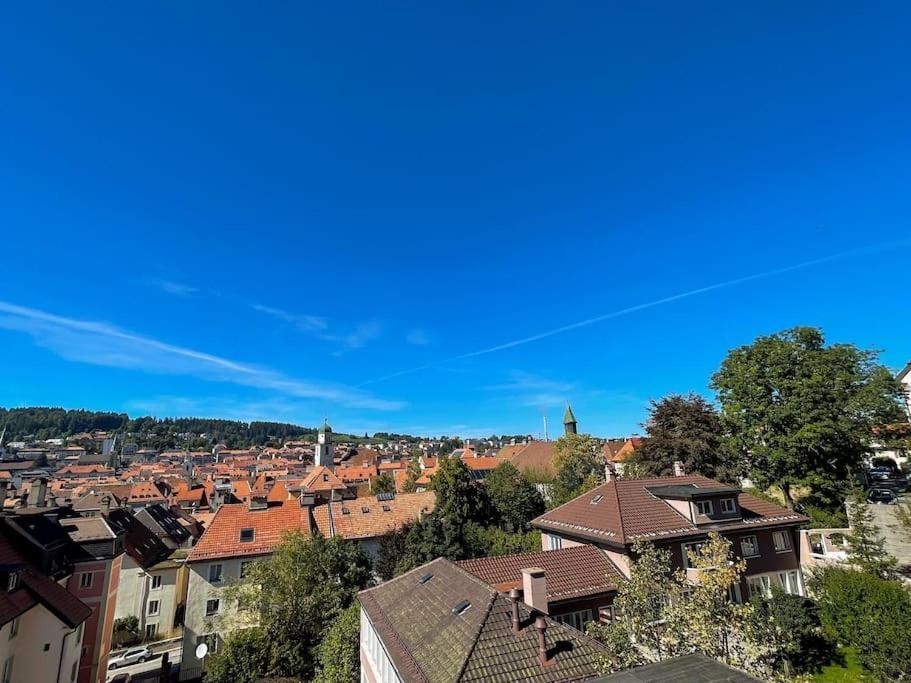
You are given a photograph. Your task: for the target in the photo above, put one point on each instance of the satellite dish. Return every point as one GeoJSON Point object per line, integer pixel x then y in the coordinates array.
{"type": "Point", "coordinates": [201, 651]}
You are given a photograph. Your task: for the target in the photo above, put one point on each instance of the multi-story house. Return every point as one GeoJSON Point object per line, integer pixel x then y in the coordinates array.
{"type": "Point", "coordinates": [42, 624]}
{"type": "Point", "coordinates": [153, 579]}
{"type": "Point", "coordinates": [677, 513]}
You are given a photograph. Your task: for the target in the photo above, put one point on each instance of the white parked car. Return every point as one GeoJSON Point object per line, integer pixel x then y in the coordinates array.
{"type": "Point", "coordinates": [132, 656]}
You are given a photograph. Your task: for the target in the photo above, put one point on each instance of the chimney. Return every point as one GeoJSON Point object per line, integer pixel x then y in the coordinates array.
{"type": "Point", "coordinates": [514, 598]}
{"type": "Point", "coordinates": [534, 589]}
{"type": "Point", "coordinates": [541, 627]}
{"type": "Point", "coordinates": [679, 470]}
{"type": "Point", "coordinates": [105, 505]}
{"type": "Point", "coordinates": [609, 474]}
{"type": "Point", "coordinates": [37, 493]}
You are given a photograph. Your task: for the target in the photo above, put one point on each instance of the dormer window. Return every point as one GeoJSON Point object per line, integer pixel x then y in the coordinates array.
{"type": "Point", "coordinates": [704, 507]}
{"type": "Point", "coordinates": [325, 477]}
{"type": "Point", "coordinates": [12, 582]}
{"type": "Point", "coordinates": [247, 535]}
{"type": "Point", "coordinates": [728, 506]}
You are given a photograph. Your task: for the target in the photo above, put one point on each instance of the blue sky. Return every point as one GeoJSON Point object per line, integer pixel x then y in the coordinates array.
{"type": "Point", "coordinates": [290, 210]}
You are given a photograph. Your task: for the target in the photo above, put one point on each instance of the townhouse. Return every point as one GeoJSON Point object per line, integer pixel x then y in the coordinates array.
{"type": "Point", "coordinates": [677, 513]}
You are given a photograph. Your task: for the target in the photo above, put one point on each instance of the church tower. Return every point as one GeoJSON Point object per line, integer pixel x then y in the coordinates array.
{"type": "Point", "coordinates": [569, 421]}
{"type": "Point", "coordinates": [323, 455]}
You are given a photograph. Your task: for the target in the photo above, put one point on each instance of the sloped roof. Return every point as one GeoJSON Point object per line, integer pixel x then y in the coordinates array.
{"type": "Point", "coordinates": [535, 456]}
{"type": "Point", "coordinates": [139, 542]}
{"type": "Point", "coordinates": [145, 491]}
{"type": "Point", "coordinates": [323, 479]}
{"type": "Point", "coordinates": [626, 510]}
{"type": "Point", "coordinates": [692, 668]}
{"type": "Point", "coordinates": [430, 640]}
{"type": "Point", "coordinates": [222, 537]}
{"type": "Point", "coordinates": [570, 572]}
{"type": "Point", "coordinates": [383, 515]}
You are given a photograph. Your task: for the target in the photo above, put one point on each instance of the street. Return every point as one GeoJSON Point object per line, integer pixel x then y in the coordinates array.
{"type": "Point", "coordinates": [173, 650]}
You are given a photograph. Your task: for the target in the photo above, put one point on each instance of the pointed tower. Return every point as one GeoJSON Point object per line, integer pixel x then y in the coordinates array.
{"type": "Point", "coordinates": [323, 455]}
{"type": "Point", "coordinates": [569, 421]}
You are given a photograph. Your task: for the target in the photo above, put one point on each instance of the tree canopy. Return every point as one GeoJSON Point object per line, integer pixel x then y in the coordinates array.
{"type": "Point", "coordinates": [578, 466]}
{"type": "Point", "coordinates": [382, 484]}
{"type": "Point", "coordinates": [686, 429]}
{"type": "Point", "coordinates": [514, 500]}
{"type": "Point", "coordinates": [800, 412]}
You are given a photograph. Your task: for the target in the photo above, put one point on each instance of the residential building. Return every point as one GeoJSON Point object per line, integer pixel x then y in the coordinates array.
{"type": "Point", "coordinates": [576, 584]}
{"type": "Point", "coordinates": [439, 622]}
{"type": "Point", "coordinates": [677, 513]}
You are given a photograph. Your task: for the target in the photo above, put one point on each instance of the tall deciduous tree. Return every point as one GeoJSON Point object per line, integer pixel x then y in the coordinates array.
{"type": "Point", "coordinates": [515, 500]}
{"type": "Point", "coordinates": [800, 412]}
{"type": "Point", "coordinates": [578, 467]}
{"type": "Point", "coordinates": [339, 651]}
{"type": "Point", "coordinates": [292, 598]}
{"type": "Point", "coordinates": [382, 484]}
{"type": "Point", "coordinates": [412, 474]}
{"type": "Point", "coordinates": [688, 429]}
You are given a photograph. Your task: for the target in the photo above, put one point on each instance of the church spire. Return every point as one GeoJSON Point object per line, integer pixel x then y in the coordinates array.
{"type": "Point", "coordinates": [569, 421]}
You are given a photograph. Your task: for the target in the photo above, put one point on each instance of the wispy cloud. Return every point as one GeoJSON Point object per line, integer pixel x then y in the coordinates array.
{"type": "Point", "coordinates": [417, 337]}
{"type": "Point", "coordinates": [534, 391]}
{"type": "Point", "coordinates": [852, 253]}
{"type": "Point", "coordinates": [99, 343]}
{"type": "Point", "coordinates": [319, 328]}
{"type": "Point", "coordinates": [171, 287]}
{"type": "Point", "coordinates": [307, 323]}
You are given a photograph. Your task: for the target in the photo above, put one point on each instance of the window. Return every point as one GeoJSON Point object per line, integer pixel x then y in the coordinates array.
{"type": "Point", "coordinates": [760, 585]}
{"type": "Point", "coordinates": [85, 580]}
{"type": "Point", "coordinates": [749, 546]}
{"type": "Point", "coordinates": [156, 582]}
{"type": "Point", "coordinates": [14, 628]}
{"type": "Point", "coordinates": [13, 581]}
{"type": "Point", "coordinates": [704, 507]}
{"type": "Point", "coordinates": [688, 548]}
{"type": "Point", "coordinates": [555, 542]}
{"type": "Point", "coordinates": [154, 607]}
{"type": "Point", "coordinates": [215, 573]}
{"type": "Point", "coordinates": [7, 670]}
{"type": "Point", "coordinates": [151, 631]}
{"type": "Point", "coordinates": [209, 639]}
{"type": "Point", "coordinates": [325, 477]}
{"type": "Point", "coordinates": [247, 535]}
{"type": "Point", "coordinates": [606, 614]}
{"type": "Point", "coordinates": [212, 606]}
{"type": "Point", "coordinates": [782, 541]}
{"type": "Point", "coordinates": [734, 594]}
{"type": "Point", "coordinates": [728, 506]}
{"type": "Point", "coordinates": [789, 582]}
{"type": "Point", "coordinates": [576, 619]}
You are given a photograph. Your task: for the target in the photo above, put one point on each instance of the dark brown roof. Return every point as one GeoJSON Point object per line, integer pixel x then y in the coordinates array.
{"type": "Point", "coordinates": [428, 640]}
{"type": "Point", "coordinates": [692, 668]}
{"type": "Point", "coordinates": [621, 511]}
{"type": "Point", "coordinates": [570, 572]}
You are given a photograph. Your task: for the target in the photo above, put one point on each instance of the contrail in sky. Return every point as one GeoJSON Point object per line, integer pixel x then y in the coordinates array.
{"type": "Point", "coordinates": [651, 304]}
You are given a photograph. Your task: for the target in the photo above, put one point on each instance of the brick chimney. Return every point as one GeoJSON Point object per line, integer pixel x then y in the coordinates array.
{"type": "Point", "coordinates": [105, 505]}
{"type": "Point", "coordinates": [534, 589]}
{"type": "Point", "coordinates": [679, 469]}
{"type": "Point", "coordinates": [609, 473]}
{"type": "Point", "coordinates": [541, 628]}
{"type": "Point", "coordinates": [37, 493]}
{"type": "Point", "coordinates": [514, 598]}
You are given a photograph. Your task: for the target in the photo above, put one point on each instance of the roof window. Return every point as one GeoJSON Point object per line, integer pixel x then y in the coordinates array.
{"type": "Point", "coordinates": [346, 511]}
{"type": "Point", "coordinates": [365, 509]}
{"type": "Point", "coordinates": [247, 535]}
{"type": "Point", "coordinates": [425, 578]}
{"type": "Point", "coordinates": [461, 608]}
{"type": "Point", "coordinates": [386, 508]}
{"type": "Point", "coordinates": [596, 499]}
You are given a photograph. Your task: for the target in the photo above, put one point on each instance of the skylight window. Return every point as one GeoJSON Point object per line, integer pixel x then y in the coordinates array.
{"type": "Point", "coordinates": [425, 578]}
{"type": "Point", "coordinates": [247, 535]}
{"type": "Point", "coordinates": [461, 608]}
{"type": "Point", "coordinates": [386, 508]}
{"type": "Point", "coordinates": [346, 511]}
{"type": "Point", "coordinates": [596, 500]}
{"type": "Point", "coordinates": [365, 509]}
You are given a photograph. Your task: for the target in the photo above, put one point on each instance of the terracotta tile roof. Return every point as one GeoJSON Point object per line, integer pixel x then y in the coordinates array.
{"type": "Point", "coordinates": [84, 469]}
{"type": "Point", "coordinates": [278, 493]}
{"type": "Point", "coordinates": [398, 465]}
{"type": "Point", "coordinates": [626, 510]}
{"type": "Point", "coordinates": [323, 479]}
{"type": "Point", "coordinates": [629, 447]}
{"type": "Point", "coordinates": [570, 572]}
{"type": "Point", "coordinates": [429, 639]}
{"type": "Point", "coordinates": [356, 474]}
{"type": "Point", "coordinates": [145, 491]}
{"type": "Point", "coordinates": [377, 520]}
{"type": "Point", "coordinates": [482, 463]}
{"type": "Point", "coordinates": [222, 537]}
{"type": "Point", "coordinates": [536, 456]}
{"type": "Point", "coordinates": [196, 495]}
{"type": "Point", "coordinates": [241, 489]}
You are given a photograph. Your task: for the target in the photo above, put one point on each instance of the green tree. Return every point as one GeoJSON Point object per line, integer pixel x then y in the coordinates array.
{"type": "Point", "coordinates": [866, 547]}
{"type": "Point", "coordinates": [382, 484]}
{"type": "Point", "coordinates": [620, 652]}
{"type": "Point", "coordinates": [578, 467]}
{"type": "Point", "coordinates": [867, 613]}
{"type": "Point", "coordinates": [799, 412]}
{"type": "Point", "coordinates": [515, 500]}
{"type": "Point", "coordinates": [412, 474]}
{"type": "Point", "coordinates": [459, 499]}
{"type": "Point", "coordinates": [784, 632]}
{"type": "Point", "coordinates": [339, 653]}
{"type": "Point", "coordinates": [243, 657]}
{"type": "Point", "coordinates": [688, 429]}
{"type": "Point", "coordinates": [294, 596]}
{"type": "Point", "coordinates": [493, 542]}
{"type": "Point", "coordinates": [391, 549]}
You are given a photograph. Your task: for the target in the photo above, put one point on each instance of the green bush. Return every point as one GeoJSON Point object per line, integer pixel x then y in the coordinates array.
{"type": "Point", "coordinates": [869, 614]}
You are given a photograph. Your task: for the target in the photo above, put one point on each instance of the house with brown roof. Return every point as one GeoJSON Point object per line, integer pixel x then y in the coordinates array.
{"type": "Point", "coordinates": [145, 493]}
{"type": "Point", "coordinates": [439, 623]}
{"type": "Point", "coordinates": [677, 513]}
{"type": "Point", "coordinates": [579, 582]}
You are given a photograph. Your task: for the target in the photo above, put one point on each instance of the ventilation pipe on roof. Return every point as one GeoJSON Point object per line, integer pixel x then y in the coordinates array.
{"type": "Point", "coordinates": [541, 627]}
{"type": "Point", "coordinates": [609, 473]}
{"type": "Point", "coordinates": [514, 598]}
{"type": "Point", "coordinates": [679, 470]}
{"type": "Point", "coordinates": [534, 589]}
